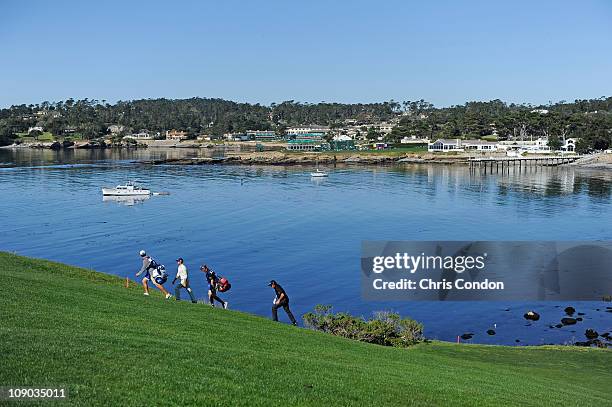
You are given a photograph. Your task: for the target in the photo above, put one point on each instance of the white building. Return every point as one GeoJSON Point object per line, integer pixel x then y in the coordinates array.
{"type": "Point", "coordinates": [539, 145]}
{"type": "Point", "coordinates": [569, 145]}
{"type": "Point", "coordinates": [341, 137]}
{"type": "Point", "coordinates": [307, 129]}
{"type": "Point", "coordinates": [35, 128]}
{"type": "Point", "coordinates": [142, 135]}
{"type": "Point", "coordinates": [115, 128]}
{"type": "Point", "coordinates": [479, 145]}
{"type": "Point", "coordinates": [384, 128]}
{"type": "Point", "coordinates": [414, 140]}
{"type": "Point", "coordinates": [444, 145]}
{"type": "Point", "coordinates": [450, 145]}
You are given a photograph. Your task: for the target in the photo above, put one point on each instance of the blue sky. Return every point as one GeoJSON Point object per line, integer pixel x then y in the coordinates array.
{"type": "Point", "coordinates": [446, 52]}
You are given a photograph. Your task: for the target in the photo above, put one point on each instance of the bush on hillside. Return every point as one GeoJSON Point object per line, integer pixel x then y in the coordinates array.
{"type": "Point", "coordinates": [385, 328]}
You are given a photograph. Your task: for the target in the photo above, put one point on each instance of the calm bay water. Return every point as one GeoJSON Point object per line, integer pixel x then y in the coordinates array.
{"type": "Point", "coordinates": [257, 223]}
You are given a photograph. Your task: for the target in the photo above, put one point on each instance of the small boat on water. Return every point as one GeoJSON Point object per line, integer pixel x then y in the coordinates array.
{"type": "Point", "coordinates": [318, 174]}
{"type": "Point", "coordinates": [129, 189]}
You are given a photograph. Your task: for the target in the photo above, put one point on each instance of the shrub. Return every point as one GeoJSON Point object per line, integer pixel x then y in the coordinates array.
{"type": "Point", "coordinates": [385, 328]}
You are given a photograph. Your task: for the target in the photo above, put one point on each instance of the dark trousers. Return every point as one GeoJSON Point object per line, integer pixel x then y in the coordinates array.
{"type": "Point", "coordinates": [285, 305]}
{"type": "Point", "coordinates": [177, 291]}
{"type": "Point", "coordinates": [212, 296]}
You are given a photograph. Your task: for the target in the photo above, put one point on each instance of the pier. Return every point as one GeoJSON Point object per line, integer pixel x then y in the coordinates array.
{"type": "Point", "coordinates": [505, 163]}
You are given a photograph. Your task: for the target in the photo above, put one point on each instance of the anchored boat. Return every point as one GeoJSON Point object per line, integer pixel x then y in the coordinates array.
{"type": "Point", "coordinates": [129, 189]}
{"type": "Point", "coordinates": [318, 173]}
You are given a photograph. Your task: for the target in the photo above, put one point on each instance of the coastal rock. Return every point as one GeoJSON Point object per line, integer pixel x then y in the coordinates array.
{"type": "Point", "coordinates": [81, 144]}
{"type": "Point", "coordinates": [532, 316]}
{"type": "Point", "coordinates": [591, 334]}
{"type": "Point", "coordinates": [490, 332]}
{"type": "Point", "coordinates": [568, 321]}
{"type": "Point", "coordinates": [353, 160]}
{"type": "Point", "coordinates": [67, 144]}
{"type": "Point", "coordinates": [570, 311]}
{"type": "Point", "coordinates": [56, 145]}
{"type": "Point", "coordinates": [467, 336]}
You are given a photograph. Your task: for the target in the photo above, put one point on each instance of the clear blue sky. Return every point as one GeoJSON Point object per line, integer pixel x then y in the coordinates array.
{"type": "Point", "coordinates": [446, 52]}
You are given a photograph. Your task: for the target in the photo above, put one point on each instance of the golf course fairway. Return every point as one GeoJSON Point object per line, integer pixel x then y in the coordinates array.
{"type": "Point", "coordinates": [64, 326]}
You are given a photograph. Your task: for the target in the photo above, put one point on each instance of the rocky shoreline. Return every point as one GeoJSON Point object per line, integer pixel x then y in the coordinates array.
{"type": "Point", "coordinates": [71, 145]}
{"type": "Point", "coordinates": [292, 159]}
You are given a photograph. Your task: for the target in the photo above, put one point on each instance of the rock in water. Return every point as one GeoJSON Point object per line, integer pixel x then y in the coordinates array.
{"type": "Point", "coordinates": [532, 316]}
{"type": "Point", "coordinates": [568, 321]}
{"type": "Point", "coordinates": [591, 334]}
{"type": "Point", "coordinates": [491, 332]}
{"type": "Point", "coordinates": [56, 145]}
{"type": "Point", "coordinates": [467, 336]}
{"type": "Point", "coordinates": [570, 311]}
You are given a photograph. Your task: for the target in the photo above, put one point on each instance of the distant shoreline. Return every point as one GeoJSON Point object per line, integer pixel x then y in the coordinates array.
{"type": "Point", "coordinates": [286, 158]}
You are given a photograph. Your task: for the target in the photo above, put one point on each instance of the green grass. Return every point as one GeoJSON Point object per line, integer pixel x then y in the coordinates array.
{"type": "Point", "coordinates": [45, 136]}
{"type": "Point", "coordinates": [63, 325]}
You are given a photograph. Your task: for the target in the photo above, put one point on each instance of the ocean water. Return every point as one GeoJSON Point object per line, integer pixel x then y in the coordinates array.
{"type": "Point", "coordinates": [253, 224]}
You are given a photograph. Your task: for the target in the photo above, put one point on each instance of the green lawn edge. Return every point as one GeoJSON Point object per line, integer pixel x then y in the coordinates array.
{"type": "Point", "coordinates": [110, 345]}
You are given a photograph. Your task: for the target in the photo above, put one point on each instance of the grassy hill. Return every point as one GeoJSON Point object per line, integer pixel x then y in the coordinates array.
{"type": "Point", "coordinates": [112, 346]}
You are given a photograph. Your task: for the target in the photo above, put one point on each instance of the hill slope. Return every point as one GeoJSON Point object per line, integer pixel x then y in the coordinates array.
{"type": "Point", "coordinates": [112, 346]}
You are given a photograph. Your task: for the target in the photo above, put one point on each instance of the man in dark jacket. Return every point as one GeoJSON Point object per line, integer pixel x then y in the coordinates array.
{"type": "Point", "coordinates": [281, 300]}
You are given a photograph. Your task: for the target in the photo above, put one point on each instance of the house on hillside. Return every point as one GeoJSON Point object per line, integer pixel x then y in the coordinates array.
{"type": "Point", "coordinates": [35, 128]}
{"type": "Point", "coordinates": [115, 128]}
{"type": "Point", "coordinates": [569, 145]}
{"type": "Point", "coordinates": [142, 135]}
{"type": "Point", "coordinates": [176, 135]}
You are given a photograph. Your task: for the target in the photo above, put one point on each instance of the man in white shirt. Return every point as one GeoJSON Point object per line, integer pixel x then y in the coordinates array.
{"type": "Point", "coordinates": [181, 275]}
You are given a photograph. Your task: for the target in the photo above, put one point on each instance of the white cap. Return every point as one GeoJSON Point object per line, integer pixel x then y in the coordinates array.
{"type": "Point", "coordinates": [143, 253]}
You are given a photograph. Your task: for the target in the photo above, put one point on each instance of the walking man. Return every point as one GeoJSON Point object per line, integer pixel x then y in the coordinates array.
{"type": "Point", "coordinates": [181, 275]}
{"type": "Point", "coordinates": [212, 280]}
{"type": "Point", "coordinates": [281, 300]}
{"type": "Point", "coordinates": [149, 268]}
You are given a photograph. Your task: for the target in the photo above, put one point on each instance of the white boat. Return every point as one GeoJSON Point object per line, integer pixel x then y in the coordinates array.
{"type": "Point", "coordinates": [129, 189]}
{"type": "Point", "coordinates": [318, 174]}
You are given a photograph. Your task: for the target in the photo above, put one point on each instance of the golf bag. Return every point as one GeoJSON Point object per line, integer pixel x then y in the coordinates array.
{"type": "Point", "coordinates": [159, 274]}
{"type": "Point", "coordinates": [223, 285]}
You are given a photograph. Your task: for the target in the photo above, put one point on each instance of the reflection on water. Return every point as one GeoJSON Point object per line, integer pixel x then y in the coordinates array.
{"type": "Point", "coordinates": [126, 200]}
{"type": "Point", "coordinates": [254, 223]}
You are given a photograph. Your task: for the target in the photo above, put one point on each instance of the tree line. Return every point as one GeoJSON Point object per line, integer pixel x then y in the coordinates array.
{"type": "Point", "coordinates": [589, 119]}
